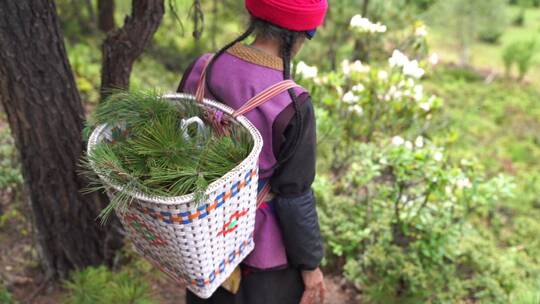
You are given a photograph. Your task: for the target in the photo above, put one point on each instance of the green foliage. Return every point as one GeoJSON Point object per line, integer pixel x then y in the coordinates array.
{"type": "Point", "coordinates": [467, 20]}
{"type": "Point", "coordinates": [490, 35]}
{"type": "Point", "coordinates": [423, 4]}
{"type": "Point", "coordinates": [99, 285]}
{"type": "Point", "coordinates": [521, 55]}
{"type": "Point", "coordinates": [5, 296]}
{"type": "Point", "coordinates": [152, 152]}
{"type": "Point", "coordinates": [406, 219]}
{"type": "Point", "coordinates": [10, 173]}
{"type": "Point", "coordinates": [398, 220]}
{"type": "Point", "coordinates": [502, 122]}
{"type": "Point", "coordinates": [519, 19]}
{"type": "Point", "coordinates": [85, 60]}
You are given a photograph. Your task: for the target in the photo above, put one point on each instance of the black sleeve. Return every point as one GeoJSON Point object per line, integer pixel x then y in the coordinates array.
{"type": "Point", "coordinates": [295, 202]}
{"type": "Point", "coordinates": [295, 176]}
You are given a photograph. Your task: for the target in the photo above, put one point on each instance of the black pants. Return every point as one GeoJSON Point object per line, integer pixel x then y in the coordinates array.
{"type": "Point", "coordinates": [264, 287]}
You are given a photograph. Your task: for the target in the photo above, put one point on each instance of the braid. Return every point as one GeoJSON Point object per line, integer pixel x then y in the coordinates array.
{"type": "Point", "coordinates": [242, 37]}
{"type": "Point", "coordinates": [288, 39]}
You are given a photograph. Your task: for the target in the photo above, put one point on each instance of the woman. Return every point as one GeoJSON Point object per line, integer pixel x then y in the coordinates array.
{"type": "Point", "coordinates": [284, 266]}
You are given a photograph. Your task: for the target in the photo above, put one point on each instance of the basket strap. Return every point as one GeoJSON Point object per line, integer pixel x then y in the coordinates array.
{"type": "Point", "coordinates": [254, 102]}
{"type": "Point", "coordinates": [199, 94]}
{"type": "Point", "coordinates": [262, 194]}
{"type": "Point", "coordinates": [265, 96]}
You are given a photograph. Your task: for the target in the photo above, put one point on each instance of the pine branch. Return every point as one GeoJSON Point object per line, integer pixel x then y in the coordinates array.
{"type": "Point", "coordinates": [154, 157]}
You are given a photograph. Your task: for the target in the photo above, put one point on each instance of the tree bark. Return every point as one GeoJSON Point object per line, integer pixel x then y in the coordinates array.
{"type": "Point", "coordinates": [365, 7]}
{"type": "Point", "coordinates": [124, 45]}
{"type": "Point", "coordinates": [45, 113]}
{"type": "Point", "coordinates": [106, 15]}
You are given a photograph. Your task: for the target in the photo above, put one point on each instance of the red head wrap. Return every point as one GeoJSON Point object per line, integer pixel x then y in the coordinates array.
{"type": "Point", "coordinates": [295, 15]}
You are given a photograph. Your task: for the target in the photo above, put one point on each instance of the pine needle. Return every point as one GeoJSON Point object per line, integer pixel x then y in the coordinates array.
{"type": "Point", "coordinates": [152, 156]}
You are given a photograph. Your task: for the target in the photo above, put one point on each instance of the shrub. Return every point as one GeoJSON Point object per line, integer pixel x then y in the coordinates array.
{"type": "Point", "coordinates": [5, 296]}
{"type": "Point", "coordinates": [519, 19]}
{"type": "Point", "coordinates": [99, 285]}
{"type": "Point", "coordinates": [490, 35]}
{"type": "Point", "coordinates": [520, 54]}
{"type": "Point", "coordinates": [394, 207]}
{"type": "Point", "coordinates": [397, 219]}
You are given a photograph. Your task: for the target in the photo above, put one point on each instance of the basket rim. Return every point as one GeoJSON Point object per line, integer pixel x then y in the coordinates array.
{"type": "Point", "coordinates": [216, 185]}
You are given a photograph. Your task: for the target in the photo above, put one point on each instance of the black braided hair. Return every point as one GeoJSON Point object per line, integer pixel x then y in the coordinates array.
{"type": "Point", "coordinates": [210, 66]}
{"type": "Point", "coordinates": [287, 40]}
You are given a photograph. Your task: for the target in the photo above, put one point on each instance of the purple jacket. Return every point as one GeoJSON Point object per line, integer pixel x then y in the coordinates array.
{"type": "Point", "coordinates": [235, 80]}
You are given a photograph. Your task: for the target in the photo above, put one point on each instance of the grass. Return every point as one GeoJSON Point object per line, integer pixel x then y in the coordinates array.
{"type": "Point", "coordinates": [486, 56]}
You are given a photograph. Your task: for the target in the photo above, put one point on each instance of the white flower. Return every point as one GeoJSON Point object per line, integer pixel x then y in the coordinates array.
{"type": "Point", "coordinates": [383, 75]}
{"type": "Point", "coordinates": [356, 67]}
{"type": "Point", "coordinates": [407, 93]}
{"type": "Point", "coordinates": [419, 142]}
{"type": "Point", "coordinates": [359, 67]}
{"type": "Point", "coordinates": [426, 106]}
{"type": "Point", "coordinates": [421, 31]}
{"type": "Point", "coordinates": [433, 59]}
{"type": "Point", "coordinates": [321, 80]}
{"type": "Point", "coordinates": [364, 25]}
{"type": "Point", "coordinates": [408, 145]}
{"type": "Point", "coordinates": [394, 93]}
{"type": "Point", "coordinates": [418, 92]}
{"type": "Point", "coordinates": [438, 156]}
{"type": "Point", "coordinates": [350, 98]}
{"type": "Point", "coordinates": [356, 109]}
{"type": "Point", "coordinates": [463, 182]}
{"type": "Point", "coordinates": [397, 141]}
{"type": "Point", "coordinates": [398, 59]}
{"type": "Point", "coordinates": [346, 67]}
{"type": "Point", "coordinates": [413, 69]}
{"type": "Point", "coordinates": [339, 90]}
{"type": "Point", "coordinates": [358, 88]}
{"type": "Point", "coordinates": [307, 71]}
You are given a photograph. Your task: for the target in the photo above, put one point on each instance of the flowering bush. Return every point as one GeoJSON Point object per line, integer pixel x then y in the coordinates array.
{"type": "Point", "coordinates": [364, 25]}
{"type": "Point", "coordinates": [395, 219]}
{"type": "Point", "coordinates": [376, 101]}
{"type": "Point", "coordinates": [395, 208]}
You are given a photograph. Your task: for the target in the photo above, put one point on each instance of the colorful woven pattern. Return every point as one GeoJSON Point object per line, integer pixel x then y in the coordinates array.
{"type": "Point", "coordinates": [144, 230]}
{"type": "Point", "coordinates": [118, 134]}
{"type": "Point", "coordinates": [201, 212]}
{"type": "Point", "coordinates": [201, 282]}
{"type": "Point", "coordinates": [232, 224]}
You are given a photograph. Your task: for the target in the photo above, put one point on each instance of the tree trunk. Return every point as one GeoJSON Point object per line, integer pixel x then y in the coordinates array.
{"type": "Point", "coordinates": [91, 12]}
{"type": "Point", "coordinates": [365, 7]}
{"type": "Point", "coordinates": [124, 45]}
{"type": "Point", "coordinates": [106, 15]}
{"type": "Point", "coordinates": [39, 94]}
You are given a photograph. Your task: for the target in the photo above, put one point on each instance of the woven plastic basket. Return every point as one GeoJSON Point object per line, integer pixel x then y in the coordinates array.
{"type": "Point", "coordinates": [197, 244]}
